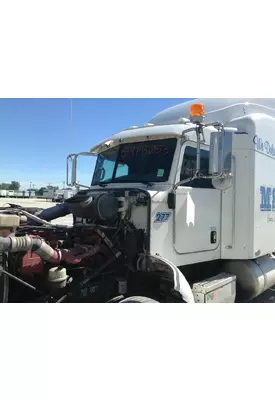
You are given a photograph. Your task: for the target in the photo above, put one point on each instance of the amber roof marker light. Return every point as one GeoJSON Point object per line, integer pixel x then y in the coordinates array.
{"type": "Point", "coordinates": [197, 113]}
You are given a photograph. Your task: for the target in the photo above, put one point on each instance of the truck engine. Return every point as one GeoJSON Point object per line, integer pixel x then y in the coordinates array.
{"type": "Point", "coordinates": [95, 260]}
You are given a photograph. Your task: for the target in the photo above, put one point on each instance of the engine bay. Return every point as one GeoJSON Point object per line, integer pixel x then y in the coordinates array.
{"type": "Point", "coordinates": [95, 260]}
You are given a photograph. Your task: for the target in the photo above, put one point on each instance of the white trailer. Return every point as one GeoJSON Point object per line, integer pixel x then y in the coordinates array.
{"type": "Point", "coordinates": [3, 193]}
{"type": "Point", "coordinates": [61, 195]}
{"type": "Point", "coordinates": [199, 182]}
{"type": "Point", "coordinates": [68, 193]}
{"type": "Point", "coordinates": [48, 194]}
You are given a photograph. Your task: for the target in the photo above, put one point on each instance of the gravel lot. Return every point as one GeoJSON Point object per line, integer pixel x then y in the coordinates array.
{"type": "Point", "coordinates": [68, 220]}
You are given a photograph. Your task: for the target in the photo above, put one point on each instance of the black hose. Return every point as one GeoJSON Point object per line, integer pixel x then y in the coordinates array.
{"type": "Point", "coordinates": [57, 211]}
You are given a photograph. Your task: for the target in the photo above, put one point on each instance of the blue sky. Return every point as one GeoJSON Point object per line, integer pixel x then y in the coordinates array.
{"type": "Point", "coordinates": [36, 137]}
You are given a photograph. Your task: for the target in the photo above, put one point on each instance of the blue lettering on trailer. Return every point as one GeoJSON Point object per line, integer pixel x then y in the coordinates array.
{"type": "Point", "coordinates": [273, 199]}
{"type": "Point", "coordinates": [267, 199]}
{"type": "Point", "coordinates": [264, 146]}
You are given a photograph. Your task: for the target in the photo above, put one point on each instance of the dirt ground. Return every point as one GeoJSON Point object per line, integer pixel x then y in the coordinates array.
{"type": "Point", "coordinates": [41, 203]}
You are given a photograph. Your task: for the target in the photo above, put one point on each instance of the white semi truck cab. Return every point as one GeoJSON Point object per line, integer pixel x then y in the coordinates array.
{"type": "Point", "coordinates": [198, 178]}
{"type": "Point", "coordinates": [179, 210]}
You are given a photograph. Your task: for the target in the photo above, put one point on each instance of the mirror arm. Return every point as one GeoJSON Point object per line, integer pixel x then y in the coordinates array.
{"type": "Point", "coordinates": [199, 132]}
{"type": "Point", "coordinates": [80, 185]}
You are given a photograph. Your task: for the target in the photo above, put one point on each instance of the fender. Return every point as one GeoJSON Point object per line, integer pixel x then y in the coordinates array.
{"type": "Point", "coordinates": [180, 283]}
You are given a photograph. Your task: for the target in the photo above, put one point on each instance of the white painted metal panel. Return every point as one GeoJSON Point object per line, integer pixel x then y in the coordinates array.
{"type": "Point", "coordinates": [197, 215]}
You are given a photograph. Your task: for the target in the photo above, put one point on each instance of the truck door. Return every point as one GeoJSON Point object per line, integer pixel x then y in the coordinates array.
{"type": "Point", "coordinates": [198, 208]}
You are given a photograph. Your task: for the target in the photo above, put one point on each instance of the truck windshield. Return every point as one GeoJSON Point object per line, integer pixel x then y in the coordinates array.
{"type": "Point", "coordinates": [148, 161]}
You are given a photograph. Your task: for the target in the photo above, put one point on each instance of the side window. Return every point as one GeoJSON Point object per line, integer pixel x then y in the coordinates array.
{"type": "Point", "coordinates": [122, 170]}
{"type": "Point", "coordinates": [108, 169]}
{"type": "Point", "coordinates": [104, 170]}
{"type": "Point", "coordinates": [188, 168]}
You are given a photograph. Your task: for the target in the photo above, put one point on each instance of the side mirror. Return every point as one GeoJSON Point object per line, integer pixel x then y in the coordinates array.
{"type": "Point", "coordinates": [74, 166]}
{"type": "Point", "coordinates": [220, 157]}
{"type": "Point", "coordinates": [72, 169]}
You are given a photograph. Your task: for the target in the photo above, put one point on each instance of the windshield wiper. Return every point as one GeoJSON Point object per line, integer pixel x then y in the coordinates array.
{"type": "Point", "coordinates": [143, 182]}
{"type": "Point", "coordinates": [147, 183]}
{"type": "Point", "coordinates": [103, 184]}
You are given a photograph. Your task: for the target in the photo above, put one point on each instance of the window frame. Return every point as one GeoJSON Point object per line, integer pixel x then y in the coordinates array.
{"type": "Point", "coordinates": [171, 172]}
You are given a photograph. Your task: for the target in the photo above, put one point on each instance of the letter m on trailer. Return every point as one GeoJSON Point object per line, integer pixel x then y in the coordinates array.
{"type": "Point", "coordinates": [265, 198]}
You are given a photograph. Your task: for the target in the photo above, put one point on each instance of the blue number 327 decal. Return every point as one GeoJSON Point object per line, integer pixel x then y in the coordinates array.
{"type": "Point", "coordinates": [162, 217]}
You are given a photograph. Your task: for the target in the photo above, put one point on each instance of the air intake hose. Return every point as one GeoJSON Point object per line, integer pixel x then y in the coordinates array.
{"type": "Point", "coordinates": [46, 252]}
{"type": "Point", "coordinates": [57, 211]}
{"type": "Point", "coordinates": [26, 243]}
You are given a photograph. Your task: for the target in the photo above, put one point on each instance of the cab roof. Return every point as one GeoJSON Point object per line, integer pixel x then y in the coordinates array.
{"type": "Point", "coordinates": [166, 124]}
{"type": "Point", "coordinates": [219, 109]}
